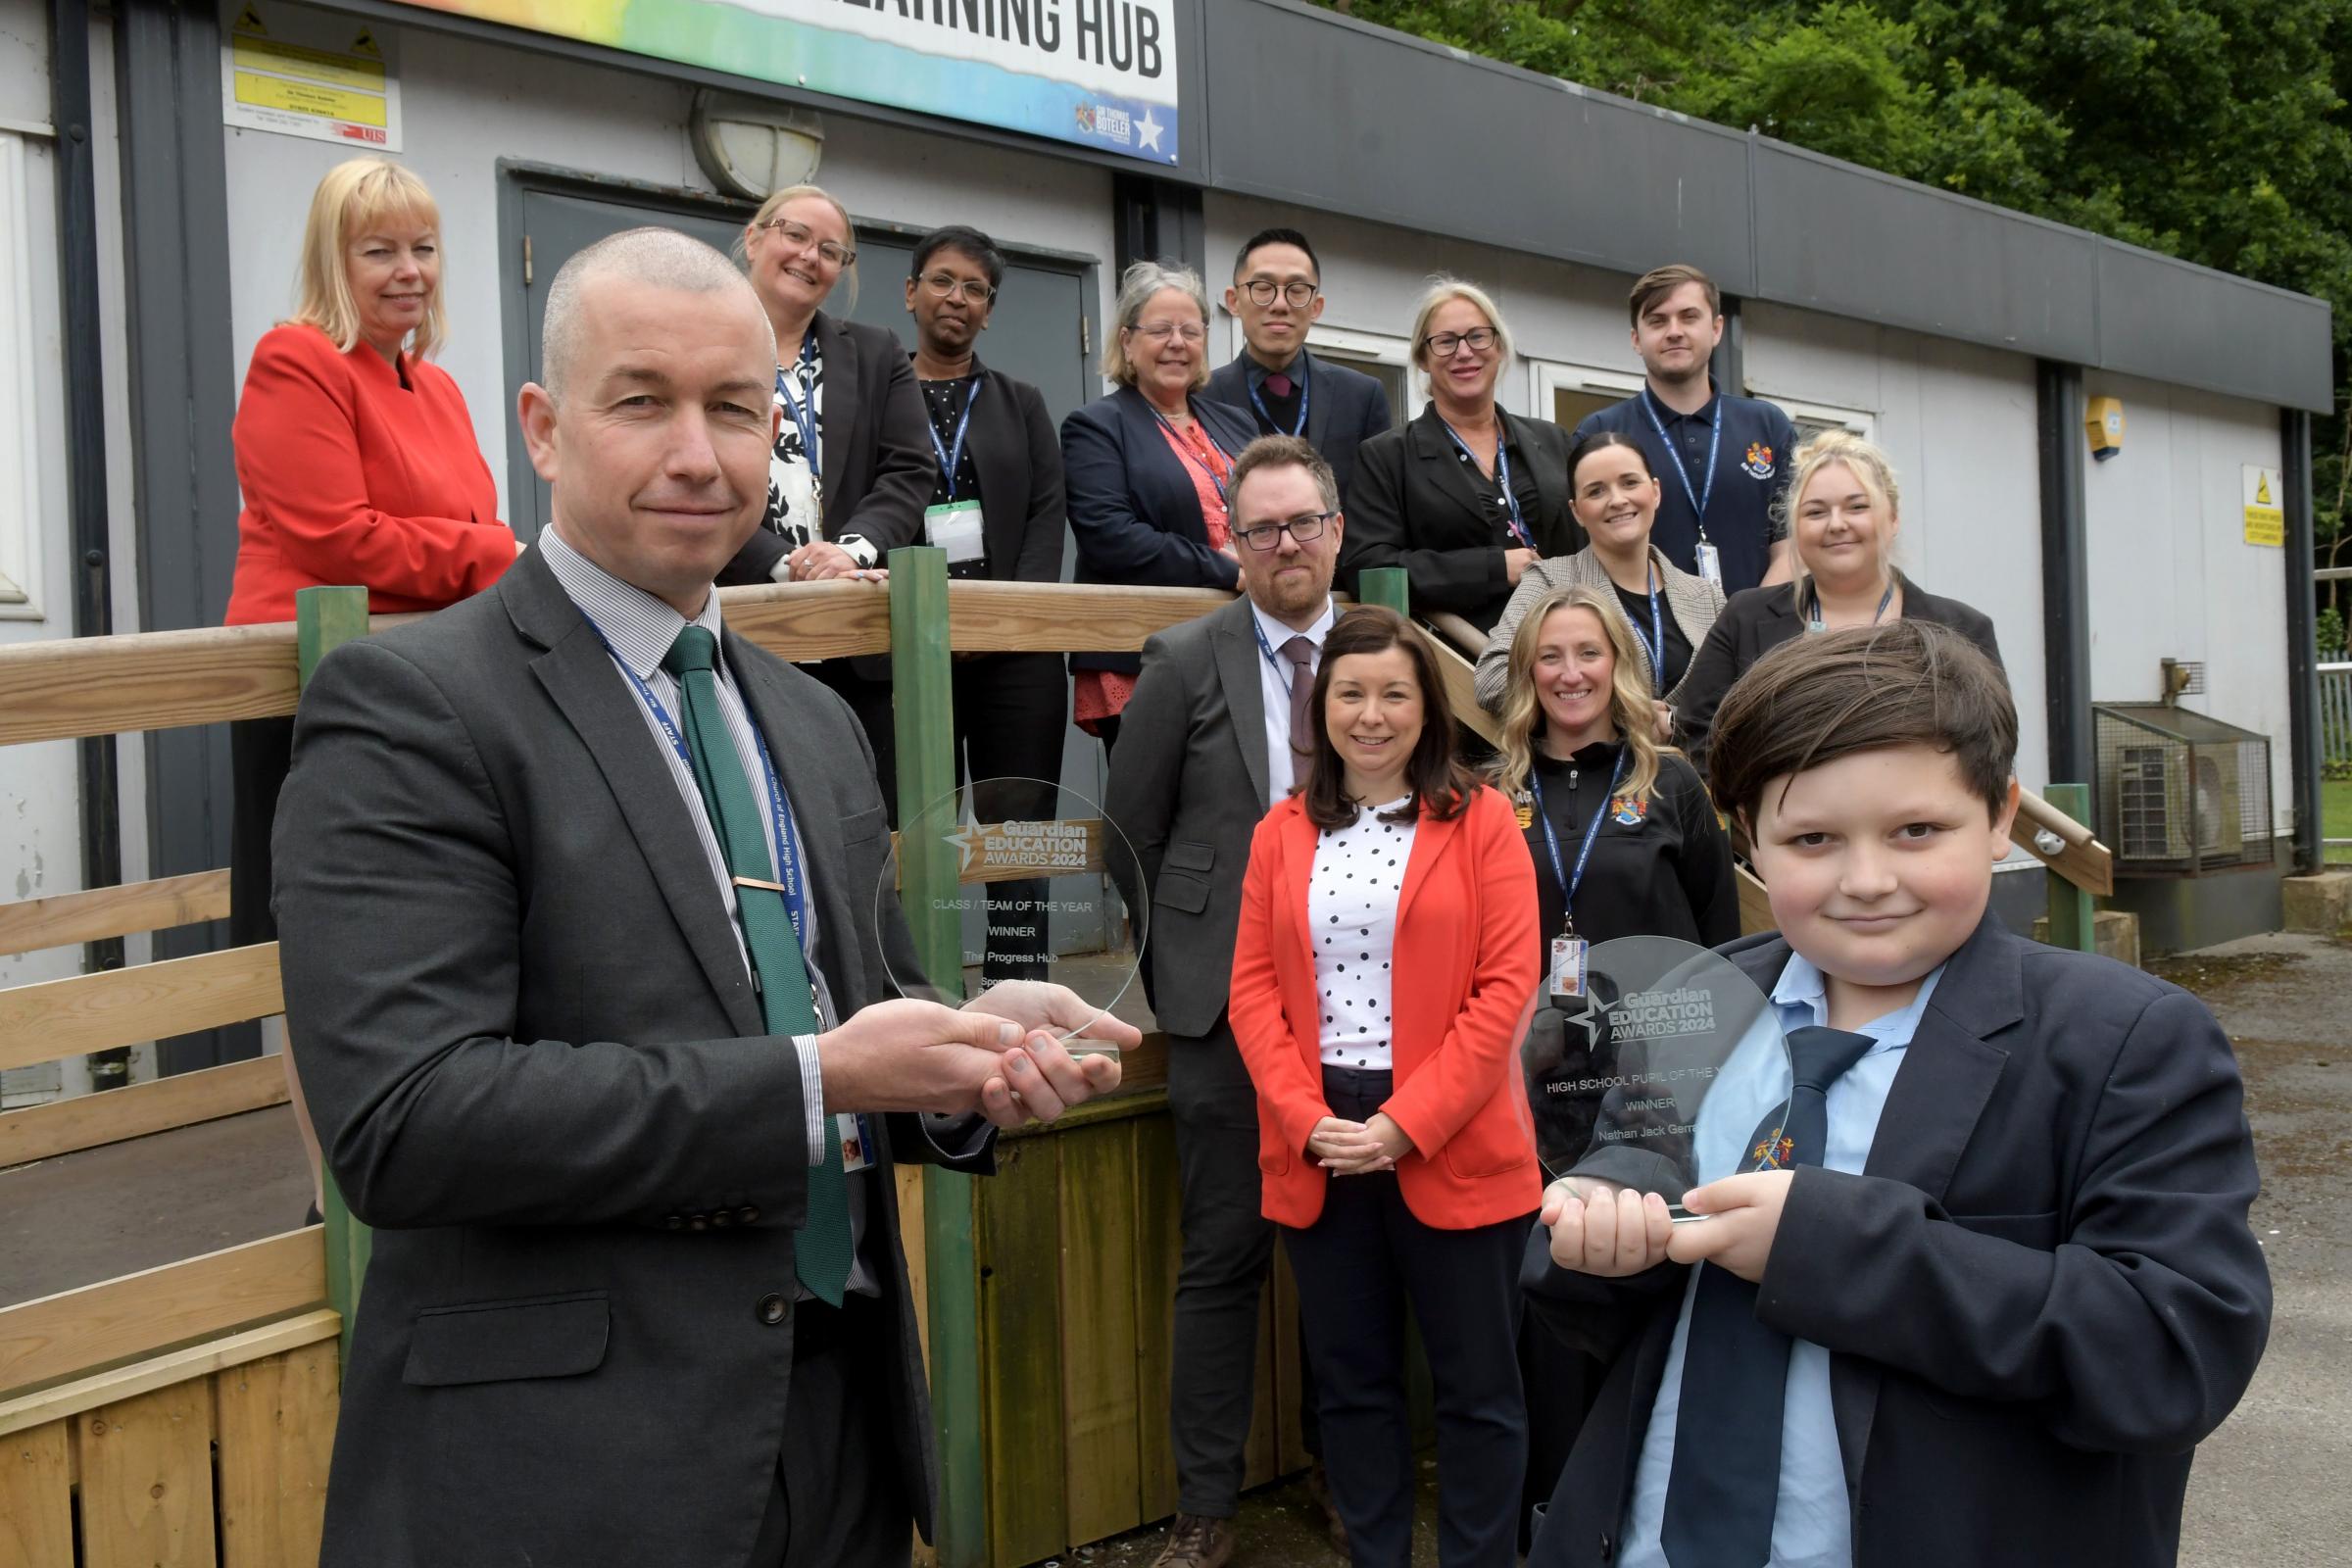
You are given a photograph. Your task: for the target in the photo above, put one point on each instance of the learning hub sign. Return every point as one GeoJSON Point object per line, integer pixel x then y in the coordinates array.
{"type": "Point", "coordinates": [1098, 72]}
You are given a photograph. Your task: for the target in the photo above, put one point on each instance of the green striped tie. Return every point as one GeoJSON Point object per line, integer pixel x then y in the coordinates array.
{"type": "Point", "coordinates": [822, 1253]}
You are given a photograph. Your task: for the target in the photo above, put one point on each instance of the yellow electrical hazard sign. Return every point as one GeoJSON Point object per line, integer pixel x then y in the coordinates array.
{"type": "Point", "coordinates": [300, 74]}
{"type": "Point", "coordinates": [2265, 506]}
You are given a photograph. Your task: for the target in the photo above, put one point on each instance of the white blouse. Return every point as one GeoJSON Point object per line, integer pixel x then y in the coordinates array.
{"type": "Point", "coordinates": [1351, 907]}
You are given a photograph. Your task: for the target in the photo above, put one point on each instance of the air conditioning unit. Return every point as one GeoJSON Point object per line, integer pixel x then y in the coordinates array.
{"type": "Point", "coordinates": [2173, 805]}
{"type": "Point", "coordinates": [2181, 793]}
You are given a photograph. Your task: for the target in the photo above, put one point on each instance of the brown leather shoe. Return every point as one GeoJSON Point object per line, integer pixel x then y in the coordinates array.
{"type": "Point", "coordinates": [1318, 1487]}
{"type": "Point", "coordinates": [1195, 1540]}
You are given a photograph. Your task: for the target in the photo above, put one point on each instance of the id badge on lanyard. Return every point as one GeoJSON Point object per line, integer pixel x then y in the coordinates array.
{"type": "Point", "coordinates": [954, 525]}
{"type": "Point", "coordinates": [1711, 562]}
{"type": "Point", "coordinates": [856, 1141]}
{"type": "Point", "coordinates": [1569, 950]}
{"type": "Point", "coordinates": [1568, 954]}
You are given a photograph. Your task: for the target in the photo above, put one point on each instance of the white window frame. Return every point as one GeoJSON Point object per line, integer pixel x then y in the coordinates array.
{"type": "Point", "coordinates": [1382, 348]}
{"type": "Point", "coordinates": [1861, 421]}
{"type": "Point", "coordinates": [19, 468]}
{"type": "Point", "coordinates": [1546, 376]}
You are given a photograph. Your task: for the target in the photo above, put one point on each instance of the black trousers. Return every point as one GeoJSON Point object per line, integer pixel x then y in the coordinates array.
{"type": "Point", "coordinates": [1011, 712]}
{"type": "Point", "coordinates": [868, 698]}
{"type": "Point", "coordinates": [260, 752]}
{"type": "Point", "coordinates": [1358, 1266]}
{"type": "Point", "coordinates": [836, 1500]}
{"type": "Point", "coordinates": [1228, 1247]}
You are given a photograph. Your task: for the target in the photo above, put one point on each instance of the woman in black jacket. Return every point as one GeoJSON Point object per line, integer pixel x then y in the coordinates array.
{"type": "Point", "coordinates": [1843, 503]}
{"type": "Point", "coordinates": [852, 470]}
{"type": "Point", "coordinates": [1468, 496]}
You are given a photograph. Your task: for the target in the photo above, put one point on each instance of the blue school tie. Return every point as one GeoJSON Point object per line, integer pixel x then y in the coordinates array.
{"type": "Point", "coordinates": [821, 1250]}
{"type": "Point", "coordinates": [1726, 1479]}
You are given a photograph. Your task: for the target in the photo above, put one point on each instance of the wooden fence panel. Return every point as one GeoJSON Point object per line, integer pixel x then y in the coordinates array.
{"type": "Point", "coordinates": [37, 1497]}
{"type": "Point", "coordinates": [65, 919]}
{"type": "Point", "coordinates": [87, 1012]}
{"type": "Point", "coordinates": [1098, 1390]}
{"type": "Point", "coordinates": [278, 1433]}
{"type": "Point", "coordinates": [147, 1480]}
{"type": "Point", "coordinates": [85, 1121]}
{"type": "Point", "coordinates": [1020, 1331]}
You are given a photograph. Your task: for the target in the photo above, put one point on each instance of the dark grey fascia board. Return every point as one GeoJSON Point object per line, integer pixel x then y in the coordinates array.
{"type": "Point", "coordinates": [1300, 105]}
{"type": "Point", "coordinates": [1324, 112]}
{"type": "Point", "coordinates": [2175, 322]}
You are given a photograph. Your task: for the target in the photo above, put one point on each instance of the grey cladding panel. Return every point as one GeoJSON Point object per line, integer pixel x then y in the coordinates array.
{"type": "Point", "coordinates": [1834, 238]}
{"type": "Point", "coordinates": [1309, 109]}
{"type": "Point", "coordinates": [2171, 322]}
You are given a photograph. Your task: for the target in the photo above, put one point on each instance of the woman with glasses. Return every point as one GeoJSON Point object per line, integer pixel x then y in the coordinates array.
{"type": "Point", "coordinates": [1148, 469]}
{"type": "Point", "coordinates": [996, 509]}
{"type": "Point", "coordinates": [852, 470]}
{"type": "Point", "coordinates": [1467, 496]}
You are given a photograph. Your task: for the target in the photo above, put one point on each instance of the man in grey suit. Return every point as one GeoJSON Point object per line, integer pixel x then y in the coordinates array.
{"type": "Point", "coordinates": [1214, 735]}
{"type": "Point", "coordinates": [590, 991]}
{"type": "Point", "coordinates": [1277, 295]}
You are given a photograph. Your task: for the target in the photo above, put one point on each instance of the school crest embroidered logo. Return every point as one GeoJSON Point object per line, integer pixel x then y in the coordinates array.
{"type": "Point", "coordinates": [1773, 1153]}
{"type": "Point", "coordinates": [1628, 812]}
{"type": "Point", "coordinates": [1760, 461]}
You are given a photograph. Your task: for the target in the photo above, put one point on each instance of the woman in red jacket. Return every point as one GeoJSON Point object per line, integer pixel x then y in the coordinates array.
{"type": "Point", "coordinates": [357, 465]}
{"type": "Point", "coordinates": [1382, 976]}
{"type": "Point", "coordinates": [357, 460]}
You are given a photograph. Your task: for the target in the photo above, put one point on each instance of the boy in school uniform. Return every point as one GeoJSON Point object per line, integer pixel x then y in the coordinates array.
{"type": "Point", "coordinates": [1993, 1280]}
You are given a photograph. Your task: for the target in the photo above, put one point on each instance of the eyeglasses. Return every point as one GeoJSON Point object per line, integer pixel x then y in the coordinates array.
{"type": "Point", "coordinates": [946, 286]}
{"type": "Point", "coordinates": [1297, 295]}
{"type": "Point", "coordinates": [802, 237]}
{"type": "Point", "coordinates": [1306, 528]}
{"type": "Point", "coordinates": [1162, 332]}
{"type": "Point", "coordinates": [1478, 339]}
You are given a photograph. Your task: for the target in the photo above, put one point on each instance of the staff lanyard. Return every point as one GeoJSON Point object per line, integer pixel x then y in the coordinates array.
{"type": "Point", "coordinates": [1551, 839]}
{"type": "Point", "coordinates": [803, 414]}
{"type": "Point", "coordinates": [1657, 638]}
{"type": "Point", "coordinates": [1814, 622]}
{"type": "Point", "coordinates": [1266, 650]}
{"type": "Point", "coordinates": [1193, 452]}
{"type": "Point", "coordinates": [1306, 390]}
{"type": "Point", "coordinates": [1503, 476]}
{"type": "Point", "coordinates": [951, 455]}
{"type": "Point", "coordinates": [787, 841]}
{"type": "Point", "coordinates": [1700, 497]}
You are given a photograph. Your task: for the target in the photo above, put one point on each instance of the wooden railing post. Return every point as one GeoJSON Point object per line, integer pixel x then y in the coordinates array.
{"type": "Point", "coordinates": [922, 702]}
{"type": "Point", "coordinates": [2072, 912]}
{"type": "Point", "coordinates": [1385, 585]}
{"type": "Point", "coordinates": [326, 618]}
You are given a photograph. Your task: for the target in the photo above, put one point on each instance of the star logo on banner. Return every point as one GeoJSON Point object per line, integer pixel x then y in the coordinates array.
{"type": "Point", "coordinates": [1146, 132]}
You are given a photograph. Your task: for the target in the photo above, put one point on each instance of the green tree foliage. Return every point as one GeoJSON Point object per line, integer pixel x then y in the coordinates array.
{"type": "Point", "coordinates": [2216, 130]}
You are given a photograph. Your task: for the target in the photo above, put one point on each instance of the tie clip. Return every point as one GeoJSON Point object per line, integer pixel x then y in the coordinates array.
{"type": "Point", "coordinates": [754, 882]}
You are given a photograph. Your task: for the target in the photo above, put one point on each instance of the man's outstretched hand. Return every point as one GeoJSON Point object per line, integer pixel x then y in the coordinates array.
{"type": "Point", "coordinates": [1041, 1077]}
{"type": "Point", "coordinates": [999, 1057]}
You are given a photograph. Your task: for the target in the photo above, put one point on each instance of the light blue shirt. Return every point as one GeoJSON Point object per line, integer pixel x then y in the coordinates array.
{"type": "Point", "coordinates": [1812, 1523]}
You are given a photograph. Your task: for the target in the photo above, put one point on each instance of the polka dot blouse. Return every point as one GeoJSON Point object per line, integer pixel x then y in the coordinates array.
{"type": "Point", "coordinates": [1352, 907]}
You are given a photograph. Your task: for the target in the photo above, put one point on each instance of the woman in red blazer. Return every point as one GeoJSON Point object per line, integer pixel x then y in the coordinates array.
{"type": "Point", "coordinates": [1382, 977]}
{"type": "Point", "coordinates": [357, 465]}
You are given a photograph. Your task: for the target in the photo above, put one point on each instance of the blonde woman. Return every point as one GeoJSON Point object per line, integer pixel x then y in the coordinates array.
{"type": "Point", "coordinates": [1149, 467]}
{"type": "Point", "coordinates": [358, 465]}
{"type": "Point", "coordinates": [1467, 497]}
{"type": "Point", "coordinates": [1845, 515]}
{"type": "Point", "coordinates": [852, 470]}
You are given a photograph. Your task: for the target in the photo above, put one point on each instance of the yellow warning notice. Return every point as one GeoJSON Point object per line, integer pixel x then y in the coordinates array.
{"type": "Point", "coordinates": [296, 72]}
{"type": "Point", "coordinates": [2264, 507]}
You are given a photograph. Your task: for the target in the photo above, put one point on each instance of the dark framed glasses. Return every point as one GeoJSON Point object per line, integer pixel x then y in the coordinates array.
{"type": "Point", "coordinates": [1306, 528]}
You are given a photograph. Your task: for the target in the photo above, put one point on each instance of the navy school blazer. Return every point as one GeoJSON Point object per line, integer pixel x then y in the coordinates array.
{"type": "Point", "coordinates": [2038, 1296]}
{"type": "Point", "coordinates": [1133, 510]}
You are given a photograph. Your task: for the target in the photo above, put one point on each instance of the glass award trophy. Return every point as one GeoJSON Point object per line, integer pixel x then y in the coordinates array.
{"type": "Point", "coordinates": [1016, 870]}
{"type": "Point", "coordinates": [1620, 1078]}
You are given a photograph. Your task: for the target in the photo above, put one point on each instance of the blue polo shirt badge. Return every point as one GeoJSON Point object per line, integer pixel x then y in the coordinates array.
{"type": "Point", "coordinates": [1760, 461]}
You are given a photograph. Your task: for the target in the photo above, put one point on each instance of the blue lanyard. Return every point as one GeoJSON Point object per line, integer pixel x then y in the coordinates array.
{"type": "Point", "coordinates": [1192, 455]}
{"type": "Point", "coordinates": [1503, 476]}
{"type": "Point", "coordinates": [1674, 453]}
{"type": "Point", "coordinates": [1305, 391]}
{"type": "Point", "coordinates": [1551, 840]}
{"type": "Point", "coordinates": [1814, 622]}
{"type": "Point", "coordinates": [951, 455]}
{"type": "Point", "coordinates": [803, 414]}
{"type": "Point", "coordinates": [1657, 638]}
{"type": "Point", "coordinates": [1266, 649]}
{"type": "Point", "coordinates": [787, 841]}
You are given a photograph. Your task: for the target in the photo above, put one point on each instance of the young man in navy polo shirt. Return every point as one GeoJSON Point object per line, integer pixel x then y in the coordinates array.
{"type": "Point", "coordinates": [1722, 460]}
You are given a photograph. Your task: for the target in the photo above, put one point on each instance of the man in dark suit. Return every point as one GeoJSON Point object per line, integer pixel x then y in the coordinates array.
{"type": "Point", "coordinates": [1216, 734]}
{"type": "Point", "coordinates": [997, 510]}
{"type": "Point", "coordinates": [582, 950]}
{"type": "Point", "coordinates": [1277, 294]}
